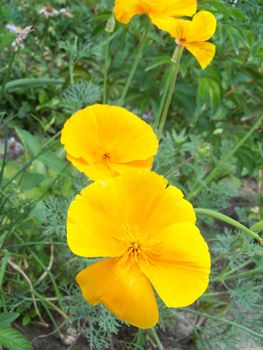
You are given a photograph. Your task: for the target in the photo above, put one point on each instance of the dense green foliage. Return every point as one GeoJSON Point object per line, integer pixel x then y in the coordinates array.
{"type": "Point", "coordinates": [60, 70]}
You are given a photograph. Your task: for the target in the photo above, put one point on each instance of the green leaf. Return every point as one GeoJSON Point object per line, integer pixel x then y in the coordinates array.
{"type": "Point", "coordinates": [31, 180]}
{"type": "Point", "coordinates": [30, 142]}
{"type": "Point", "coordinates": [258, 227]}
{"type": "Point", "coordinates": [6, 318]}
{"type": "Point", "coordinates": [18, 84]}
{"type": "Point", "coordinates": [13, 339]}
{"type": "Point", "coordinates": [52, 161]}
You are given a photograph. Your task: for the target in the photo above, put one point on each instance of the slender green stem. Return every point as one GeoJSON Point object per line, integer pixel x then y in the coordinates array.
{"type": "Point", "coordinates": [135, 64]}
{"type": "Point", "coordinates": [2, 273]}
{"type": "Point", "coordinates": [7, 74]}
{"type": "Point", "coordinates": [5, 155]}
{"type": "Point", "coordinates": [157, 339]}
{"type": "Point", "coordinates": [224, 160]}
{"type": "Point", "coordinates": [164, 96]}
{"type": "Point", "coordinates": [214, 214]}
{"type": "Point", "coordinates": [106, 67]}
{"type": "Point", "coordinates": [232, 323]}
{"type": "Point", "coordinates": [176, 61]}
{"type": "Point", "coordinates": [71, 71]}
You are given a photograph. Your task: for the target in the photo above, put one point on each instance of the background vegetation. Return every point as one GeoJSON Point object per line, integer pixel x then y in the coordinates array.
{"type": "Point", "coordinates": [213, 128]}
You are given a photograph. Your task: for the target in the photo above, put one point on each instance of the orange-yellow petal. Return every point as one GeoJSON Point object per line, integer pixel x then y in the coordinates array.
{"type": "Point", "coordinates": [125, 10]}
{"type": "Point", "coordinates": [101, 134]}
{"type": "Point", "coordinates": [202, 51]}
{"type": "Point", "coordinates": [120, 168]}
{"type": "Point", "coordinates": [203, 27]}
{"type": "Point", "coordinates": [177, 28]}
{"type": "Point", "coordinates": [173, 8]}
{"type": "Point", "coordinates": [124, 291]}
{"type": "Point", "coordinates": [101, 215]}
{"type": "Point", "coordinates": [94, 170]}
{"type": "Point", "coordinates": [181, 265]}
{"type": "Point", "coordinates": [170, 209]}
{"type": "Point", "coordinates": [90, 228]}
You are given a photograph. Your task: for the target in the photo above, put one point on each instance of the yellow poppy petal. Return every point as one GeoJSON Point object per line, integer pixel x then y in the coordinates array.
{"type": "Point", "coordinates": [203, 27]}
{"type": "Point", "coordinates": [131, 166]}
{"type": "Point", "coordinates": [90, 228]}
{"type": "Point", "coordinates": [125, 292]}
{"type": "Point", "coordinates": [170, 209]}
{"type": "Point", "coordinates": [95, 171]}
{"type": "Point", "coordinates": [181, 267]}
{"type": "Point", "coordinates": [177, 28]}
{"type": "Point", "coordinates": [164, 23]}
{"type": "Point", "coordinates": [174, 8]}
{"type": "Point", "coordinates": [202, 51]}
{"type": "Point", "coordinates": [106, 211]}
{"type": "Point", "coordinates": [101, 134]}
{"type": "Point", "coordinates": [125, 10]}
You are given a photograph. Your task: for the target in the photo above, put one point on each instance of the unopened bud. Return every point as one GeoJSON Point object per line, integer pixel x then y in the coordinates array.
{"type": "Point", "coordinates": [110, 26]}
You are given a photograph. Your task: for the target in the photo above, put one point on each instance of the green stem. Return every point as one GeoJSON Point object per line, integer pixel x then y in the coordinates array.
{"type": "Point", "coordinates": [176, 61]}
{"type": "Point", "coordinates": [157, 340]}
{"type": "Point", "coordinates": [135, 64]}
{"type": "Point", "coordinates": [2, 274]}
{"type": "Point", "coordinates": [232, 323]}
{"type": "Point", "coordinates": [214, 214]}
{"type": "Point", "coordinates": [164, 96]}
{"type": "Point", "coordinates": [224, 160]}
{"type": "Point", "coordinates": [71, 71]}
{"type": "Point", "coordinates": [106, 67]}
{"type": "Point", "coordinates": [7, 74]}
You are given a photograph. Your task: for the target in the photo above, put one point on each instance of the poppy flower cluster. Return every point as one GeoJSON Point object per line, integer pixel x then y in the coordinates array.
{"type": "Point", "coordinates": [141, 227]}
{"type": "Point", "coordinates": [193, 33]}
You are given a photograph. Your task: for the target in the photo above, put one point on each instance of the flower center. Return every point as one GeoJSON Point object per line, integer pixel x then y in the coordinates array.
{"type": "Point", "coordinates": [106, 156]}
{"type": "Point", "coordinates": [134, 248]}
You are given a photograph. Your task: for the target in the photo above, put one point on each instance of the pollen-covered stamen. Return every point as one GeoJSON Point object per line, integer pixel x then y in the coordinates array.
{"type": "Point", "coordinates": [134, 248]}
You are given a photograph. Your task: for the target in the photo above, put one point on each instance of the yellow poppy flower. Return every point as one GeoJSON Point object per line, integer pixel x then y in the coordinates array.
{"type": "Point", "coordinates": [146, 230]}
{"type": "Point", "coordinates": [125, 10]}
{"type": "Point", "coordinates": [193, 35]}
{"type": "Point", "coordinates": [104, 141]}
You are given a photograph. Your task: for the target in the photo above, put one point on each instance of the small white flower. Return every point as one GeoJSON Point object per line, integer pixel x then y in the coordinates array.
{"type": "Point", "coordinates": [13, 28]}
{"type": "Point", "coordinates": [66, 12]}
{"type": "Point", "coordinates": [21, 34]}
{"type": "Point", "coordinates": [48, 11]}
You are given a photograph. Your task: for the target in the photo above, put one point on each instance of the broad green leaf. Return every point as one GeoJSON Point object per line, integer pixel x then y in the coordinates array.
{"type": "Point", "coordinates": [52, 161]}
{"type": "Point", "coordinates": [30, 142]}
{"type": "Point", "coordinates": [31, 180]}
{"type": "Point", "coordinates": [258, 227]}
{"type": "Point", "coordinates": [12, 339]}
{"type": "Point", "coordinates": [6, 318]}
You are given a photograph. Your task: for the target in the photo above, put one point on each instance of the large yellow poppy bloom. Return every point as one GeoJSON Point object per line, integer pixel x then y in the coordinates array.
{"type": "Point", "coordinates": [193, 35]}
{"type": "Point", "coordinates": [125, 10]}
{"type": "Point", "coordinates": [147, 232]}
{"type": "Point", "coordinates": [103, 141]}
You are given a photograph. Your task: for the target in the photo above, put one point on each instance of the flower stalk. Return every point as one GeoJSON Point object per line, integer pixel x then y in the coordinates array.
{"type": "Point", "coordinates": [176, 59]}
{"type": "Point", "coordinates": [136, 62]}
{"type": "Point", "coordinates": [106, 67]}
{"type": "Point", "coordinates": [8, 71]}
{"type": "Point", "coordinates": [216, 215]}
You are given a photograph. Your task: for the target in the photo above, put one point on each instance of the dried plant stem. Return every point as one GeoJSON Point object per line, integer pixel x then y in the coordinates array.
{"type": "Point", "coordinates": [18, 269]}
